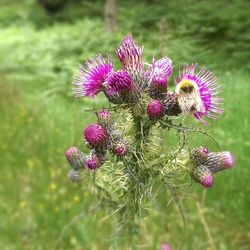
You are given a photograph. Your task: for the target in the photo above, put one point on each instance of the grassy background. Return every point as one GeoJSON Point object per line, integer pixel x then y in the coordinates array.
{"type": "Point", "coordinates": [40, 53]}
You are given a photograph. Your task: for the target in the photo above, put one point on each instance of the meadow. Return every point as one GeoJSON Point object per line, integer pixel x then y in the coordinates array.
{"type": "Point", "coordinates": [40, 118]}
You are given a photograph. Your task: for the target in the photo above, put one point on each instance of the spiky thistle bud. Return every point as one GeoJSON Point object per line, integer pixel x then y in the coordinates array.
{"type": "Point", "coordinates": [74, 176]}
{"type": "Point", "coordinates": [120, 148]}
{"type": "Point", "coordinates": [217, 161]}
{"type": "Point", "coordinates": [113, 96]}
{"type": "Point", "coordinates": [95, 134]}
{"type": "Point", "coordinates": [75, 157]}
{"type": "Point", "coordinates": [171, 105]}
{"type": "Point", "coordinates": [199, 154]}
{"type": "Point", "coordinates": [203, 175]}
{"type": "Point", "coordinates": [104, 118]}
{"type": "Point", "coordinates": [155, 109]}
{"type": "Point", "coordinates": [92, 161]}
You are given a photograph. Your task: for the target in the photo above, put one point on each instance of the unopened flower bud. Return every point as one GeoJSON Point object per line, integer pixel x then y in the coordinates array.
{"type": "Point", "coordinates": [217, 161]}
{"type": "Point", "coordinates": [74, 176]}
{"type": "Point", "coordinates": [95, 134]}
{"type": "Point", "coordinates": [203, 175]}
{"type": "Point", "coordinates": [120, 148]}
{"type": "Point", "coordinates": [104, 118]}
{"type": "Point", "coordinates": [75, 157]}
{"type": "Point", "coordinates": [171, 105]}
{"type": "Point", "coordinates": [93, 162]}
{"type": "Point", "coordinates": [155, 109]}
{"type": "Point", "coordinates": [199, 154]}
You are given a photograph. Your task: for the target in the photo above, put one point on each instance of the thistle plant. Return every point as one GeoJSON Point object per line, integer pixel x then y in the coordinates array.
{"type": "Point", "coordinates": [126, 160]}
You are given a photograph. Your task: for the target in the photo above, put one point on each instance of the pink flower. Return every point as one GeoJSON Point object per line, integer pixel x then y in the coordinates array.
{"type": "Point", "coordinates": [130, 54]}
{"type": "Point", "coordinates": [92, 76]}
{"type": "Point", "coordinates": [155, 109]}
{"type": "Point", "coordinates": [119, 80]}
{"type": "Point", "coordinates": [95, 134]}
{"type": "Point", "coordinates": [165, 246]}
{"type": "Point", "coordinates": [197, 93]}
{"type": "Point", "coordinates": [160, 71]}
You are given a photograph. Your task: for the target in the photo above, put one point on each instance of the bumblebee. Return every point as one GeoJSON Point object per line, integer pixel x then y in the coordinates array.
{"type": "Point", "coordinates": [188, 96]}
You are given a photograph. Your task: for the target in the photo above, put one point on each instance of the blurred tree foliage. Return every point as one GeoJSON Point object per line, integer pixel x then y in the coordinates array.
{"type": "Point", "coordinates": [51, 41]}
{"type": "Point", "coordinates": [219, 27]}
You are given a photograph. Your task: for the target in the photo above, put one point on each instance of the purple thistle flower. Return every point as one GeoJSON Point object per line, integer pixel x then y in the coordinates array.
{"type": "Point", "coordinates": [197, 93]}
{"type": "Point", "coordinates": [130, 54]}
{"type": "Point", "coordinates": [75, 157]}
{"type": "Point", "coordinates": [93, 162]}
{"type": "Point", "coordinates": [74, 176]}
{"type": "Point", "coordinates": [119, 80]}
{"type": "Point", "coordinates": [95, 134]}
{"type": "Point", "coordinates": [92, 76]}
{"type": "Point", "coordinates": [217, 161]}
{"type": "Point", "coordinates": [203, 175]}
{"type": "Point", "coordinates": [199, 154]}
{"type": "Point", "coordinates": [160, 71]}
{"type": "Point", "coordinates": [155, 109]}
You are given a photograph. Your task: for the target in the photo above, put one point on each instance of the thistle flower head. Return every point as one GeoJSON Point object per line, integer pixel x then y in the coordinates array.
{"type": "Point", "coordinates": [120, 148]}
{"type": "Point", "coordinates": [113, 96]}
{"type": "Point", "coordinates": [92, 76]}
{"type": "Point", "coordinates": [74, 176]}
{"type": "Point", "coordinates": [95, 134]}
{"type": "Point", "coordinates": [93, 162]}
{"type": "Point", "coordinates": [199, 154]}
{"type": "Point", "coordinates": [130, 54]}
{"type": "Point", "coordinates": [197, 93]}
{"type": "Point", "coordinates": [104, 117]}
{"type": "Point", "coordinates": [119, 80]}
{"type": "Point", "coordinates": [160, 71]}
{"type": "Point", "coordinates": [155, 109]}
{"type": "Point", "coordinates": [104, 114]}
{"type": "Point", "coordinates": [75, 157]}
{"type": "Point", "coordinates": [217, 161]}
{"type": "Point", "coordinates": [203, 175]}
{"type": "Point", "coordinates": [171, 105]}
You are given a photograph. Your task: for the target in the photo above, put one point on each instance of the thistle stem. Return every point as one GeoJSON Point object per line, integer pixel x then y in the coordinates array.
{"type": "Point", "coordinates": [133, 168]}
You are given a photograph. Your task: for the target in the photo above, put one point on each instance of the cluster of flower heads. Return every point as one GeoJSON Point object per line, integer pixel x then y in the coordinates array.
{"type": "Point", "coordinates": [101, 137]}
{"type": "Point", "coordinates": [204, 164]}
{"type": "Point", "coordinates": [195, 94]}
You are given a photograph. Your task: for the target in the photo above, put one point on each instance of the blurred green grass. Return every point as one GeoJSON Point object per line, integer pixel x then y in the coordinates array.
{"type": "Point", "coordinates": [40, 119]}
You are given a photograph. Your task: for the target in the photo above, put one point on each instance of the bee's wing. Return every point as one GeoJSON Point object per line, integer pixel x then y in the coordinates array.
{"type": "Point", "coordinates": [186, 101]}
{"type": "Point", "coordinates": [191, 102]}
{"type": "Point", "coordinates": [199, 105]}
